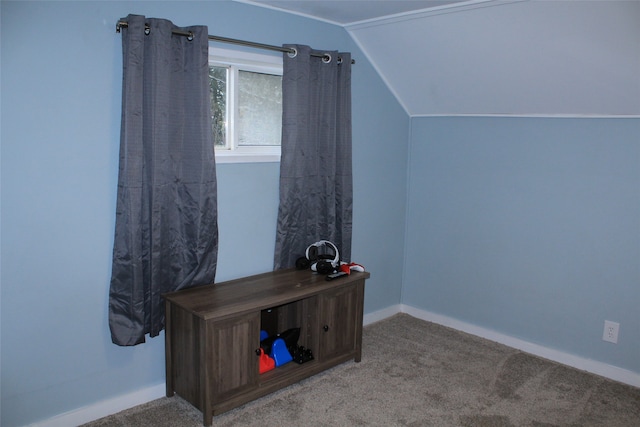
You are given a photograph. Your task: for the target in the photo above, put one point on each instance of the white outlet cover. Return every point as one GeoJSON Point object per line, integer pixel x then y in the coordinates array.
{"type": "Point", "coordinates": [611, 330]}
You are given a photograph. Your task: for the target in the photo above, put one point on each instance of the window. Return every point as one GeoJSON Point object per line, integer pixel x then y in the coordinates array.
{"type": "Point", "coordinates": [246, 104]}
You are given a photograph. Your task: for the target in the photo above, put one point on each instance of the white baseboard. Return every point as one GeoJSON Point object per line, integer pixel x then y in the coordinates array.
{"type": "Point", "coordinates": [376, 316]}
{"type": "Point", "coordinates": [117, 404]}
{"type": "Point", "coordinates": [599, 368]}
{"type": "Point", "coordinates": [104, 408]}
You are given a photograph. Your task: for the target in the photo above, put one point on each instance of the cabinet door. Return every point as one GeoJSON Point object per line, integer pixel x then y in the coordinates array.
{"type": "Point", "coordinates": [338, 314]}
{"type": "Point", "coordinates": [234, 363]}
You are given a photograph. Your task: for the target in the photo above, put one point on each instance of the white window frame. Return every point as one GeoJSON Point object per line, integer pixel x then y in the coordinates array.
{"type": "Point", "coordinates": [245, 61]}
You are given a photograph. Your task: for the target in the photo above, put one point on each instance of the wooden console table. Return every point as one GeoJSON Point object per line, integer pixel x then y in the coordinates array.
{"type": "Point", "coordinates": [212, 336]}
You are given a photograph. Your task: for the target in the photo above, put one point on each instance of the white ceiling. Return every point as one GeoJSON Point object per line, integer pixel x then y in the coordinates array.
{"type": "Point", "coordinates": [495, 57]}
{"type": "Point", "coordinates": [345, 12]}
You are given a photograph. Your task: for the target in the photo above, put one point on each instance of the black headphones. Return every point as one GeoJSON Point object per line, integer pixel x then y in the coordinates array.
{"type": "Point", "coordinates": [322, 256]}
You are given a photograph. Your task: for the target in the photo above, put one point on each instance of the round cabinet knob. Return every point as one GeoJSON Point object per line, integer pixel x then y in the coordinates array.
{"type": "Point", "coordinates": [326, 328]}
{"type": "Point", "coordinates": [258, 352]}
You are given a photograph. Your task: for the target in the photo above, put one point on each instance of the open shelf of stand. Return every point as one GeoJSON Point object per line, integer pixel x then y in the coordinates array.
{"type": "Point", "coordinates": [213, 333]}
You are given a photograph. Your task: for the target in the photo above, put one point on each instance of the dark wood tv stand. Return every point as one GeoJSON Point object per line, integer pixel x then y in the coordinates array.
{"type": "Point", "coordinates": [213, 332]}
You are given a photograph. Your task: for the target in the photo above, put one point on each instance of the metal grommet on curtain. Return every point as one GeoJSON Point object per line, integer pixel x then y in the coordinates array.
{"type": "Point", "coordinates": [339, 61]}
{"type": "Point", "coordinates": [147, 29]}
{"type": "Point", "coordinates": [326, 58]}
{"type": "Point", "coordinates": [190, 36]}
{"type": "Point", "coordinates": [293, 53]}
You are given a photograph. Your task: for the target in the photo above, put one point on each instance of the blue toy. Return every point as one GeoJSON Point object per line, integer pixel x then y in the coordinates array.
{"type": "Point", "coordinates": [279, 352]}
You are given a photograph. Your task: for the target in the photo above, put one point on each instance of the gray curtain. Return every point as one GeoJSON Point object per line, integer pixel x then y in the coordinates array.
{"type": "Point", "coordinates": [166, 231]}
{"type": "Point", "coordinates": [316, 189]}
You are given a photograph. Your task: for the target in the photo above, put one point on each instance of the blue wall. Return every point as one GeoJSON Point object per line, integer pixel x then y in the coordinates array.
{"type": "Point", "coordinates": [529, 227]}
{"type": "Point", "coordinates": [61, 91]}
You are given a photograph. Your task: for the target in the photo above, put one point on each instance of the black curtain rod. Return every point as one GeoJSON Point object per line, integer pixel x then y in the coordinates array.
{"type": "Point", "coordinates": [189, 35]}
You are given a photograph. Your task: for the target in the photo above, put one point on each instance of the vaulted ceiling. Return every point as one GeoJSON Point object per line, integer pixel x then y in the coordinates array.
{"type": "Point", "coordinates": [511, 57]}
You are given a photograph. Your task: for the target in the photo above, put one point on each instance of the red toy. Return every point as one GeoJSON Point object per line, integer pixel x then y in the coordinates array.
{"type": "Point", "coordinates": [266, 363]}
{"type": "Point", "coordinates": [351, 266]}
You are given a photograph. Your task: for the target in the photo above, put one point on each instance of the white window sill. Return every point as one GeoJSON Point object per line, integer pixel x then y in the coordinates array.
{"type": "Point", "coordinates": [236, 157]}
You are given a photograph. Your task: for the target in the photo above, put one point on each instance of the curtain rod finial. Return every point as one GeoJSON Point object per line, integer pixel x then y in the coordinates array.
{"type": "Point", "coordinates": [121, 24]}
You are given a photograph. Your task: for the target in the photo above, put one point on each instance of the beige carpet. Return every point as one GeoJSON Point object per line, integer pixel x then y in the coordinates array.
{"type": "Point", "coordinates": [415, 373]}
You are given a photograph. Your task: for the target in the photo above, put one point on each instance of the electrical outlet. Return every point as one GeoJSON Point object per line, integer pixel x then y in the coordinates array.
{"type": "Point", "coordinates": [610, 333]}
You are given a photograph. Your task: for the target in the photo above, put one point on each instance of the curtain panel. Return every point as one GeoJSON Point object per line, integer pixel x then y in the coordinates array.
{"type": "Point", "coordinates": [166, 231]}
{"type": "Point", "coordinates": [316, 188]}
